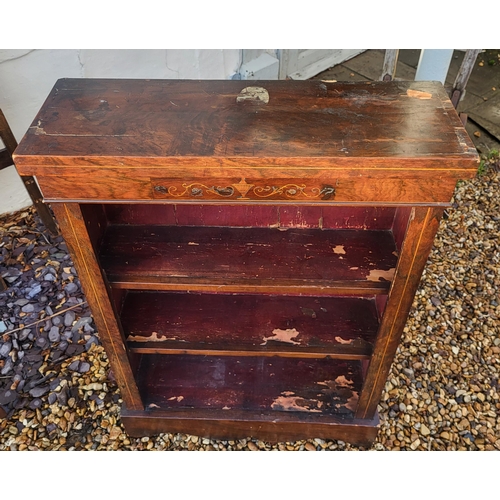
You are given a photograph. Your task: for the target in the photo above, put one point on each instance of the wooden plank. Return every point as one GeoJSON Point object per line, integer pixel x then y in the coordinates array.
{"type": "Point", "coordinates": [423, 225]}
{"type": "Point", "coordinates": [390, 63]}
{"type": "Point", "coordinates": [6, 134]}
{"type": "Point", "coordinates": [255, 324]}
{"type": "Point", "coordinates": [74, 231]}
{"type": "Point", "coordinates": [463, 75]}
{"type": "Point", "coordinates": [5, 159]}
{"type": "Point", "coordinates": [368, 187]}
{"type": "Point", "coordinates": [249, 256]}
{"type": "Point", "coordinates": [195, 121]}
{"type": "Point", "coordinates": [254, 384]}
{"type": "Point", "coordinates": [230, 425]}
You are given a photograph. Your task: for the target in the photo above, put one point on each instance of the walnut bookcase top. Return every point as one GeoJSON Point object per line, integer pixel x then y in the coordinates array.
{"type": "Point", "coordinates": [370, 125]}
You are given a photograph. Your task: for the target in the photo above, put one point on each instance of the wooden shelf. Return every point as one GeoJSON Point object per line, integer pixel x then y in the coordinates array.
{"type": "Point", "coordinates": [314, 261]}
{"type": "Point", "coordinates": [265, 325]}
{"type": "Point", "coordinates": [251, 384]}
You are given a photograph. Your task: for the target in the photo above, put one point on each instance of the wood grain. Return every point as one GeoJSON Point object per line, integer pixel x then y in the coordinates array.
{"type": "Point", "coordinates": [74, 231]}
{"type": "Point", "coordinates": [385, 187]}
{"type": "Point", "coordinates": [271, 325]}
{"type": "Point", "coordinates": [230, 425]}
{"type": "Point", "coordinates": [172, 119]}
{"type": "Point", "coordinates": [249, 256]}
{"type": "Point", "coordinates": [423, 225]}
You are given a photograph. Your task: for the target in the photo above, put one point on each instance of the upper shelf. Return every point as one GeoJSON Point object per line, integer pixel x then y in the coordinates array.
{"type": "Point", "coordinates": [138, 123]}
{"type": "Point", "coordinates": [311, 261]}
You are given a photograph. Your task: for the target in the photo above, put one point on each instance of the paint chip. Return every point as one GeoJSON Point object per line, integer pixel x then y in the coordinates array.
{"type": "Point", "coordinates": [340, 340]}
{"type": "Point", "coordinates": [418, 94]}
{"type": "Point", "coordinates": [283, 336]}
{"type": "Point", "coordinates": [380, 275]}
{"type": "Point", "coordinates": [254, 94]}
{"type": "Point", "coordinates": [176, 398]}
{"type": "Point", "coordinates": [154, 337]}
{"type": "Point", "coordinates": [295, 403]}
{"type": "Point", "coordinates": [339, 249]}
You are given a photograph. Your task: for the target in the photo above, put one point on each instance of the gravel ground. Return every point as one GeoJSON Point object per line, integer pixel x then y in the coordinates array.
{"type": "Point", "coordinates": [57, 391]}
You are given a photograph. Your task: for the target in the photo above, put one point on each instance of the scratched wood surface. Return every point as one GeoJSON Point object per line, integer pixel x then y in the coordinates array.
{"type": "Point", "coordinates": [258, 324]}
{"type": "Point", "coordinates": [422, 227]}
{"type": "Point", "coordinates": [252, 384]}
{"type": "Point", "coordinates": [136, 121]}
{"type": "Point", "coordinates": [224, 255]}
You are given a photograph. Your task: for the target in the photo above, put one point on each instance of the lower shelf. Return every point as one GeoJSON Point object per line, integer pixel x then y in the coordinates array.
{"type": "Point", "coordinates": [231, 397]}
{"type": "Point", "coordinates": [255, 384]}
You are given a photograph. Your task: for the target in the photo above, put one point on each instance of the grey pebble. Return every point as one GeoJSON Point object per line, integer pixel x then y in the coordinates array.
{"type": "Point", "coordinates": [54, 383]}
{"type": "Point", "coordinates": [23, 335]}
{"type": "Point", "coordinates": [69, 317]}
{"type": "Point", "coordinates": [88, 329]}
{"type": "Point", "coordinates": [35, 403]}
{"type": "Point", "coordinates": [7, 397]}
{"type": "Point", "coordinates": [62, 397]}
{"type": "Point", "coordinates": [74, 366]}
{"type": "Point", "coordinates": [51, 427]}
{"type": "Point", "coordinates": [28, 308]}
{"type": "Point", "coordinates": [5, 349]}
{"type": "Point", "coordinates": [57, 321]}
{"type": "Point", "coordinates": [54, 334]}
{"type": "Point", "coordinates": [80, 323]}
{"type": "Point", "coordinates": [34, 291]}
{"type": "Point", "coordinates": [36, 392]}
{"type": "Point", "coordinates": [21, 302]}
{"type": "Point", "coordinates": [70, 288]}
{"type": "Point", "coordinates": [41, 342]}
{"type": "Point", "coordinates": [7, 367]}
{"type": "Point", "coordinates": [84, 367]}
{"type": "Point", "coordinates": [3, 327]}
{"type": "Point", "coordinates": [92, 340]}
{"type": "Point", "coordinates": [52, 398]}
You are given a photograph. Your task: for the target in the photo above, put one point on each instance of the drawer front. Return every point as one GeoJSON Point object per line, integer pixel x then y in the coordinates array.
{"type": "Point", "coordinates": [318, 188]}
{"type": "Point", "coordinates": [241, 189]}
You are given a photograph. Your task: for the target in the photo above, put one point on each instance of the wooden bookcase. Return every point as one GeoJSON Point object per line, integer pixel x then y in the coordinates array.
{"type": "Point", "coordinates": [250, 250]}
